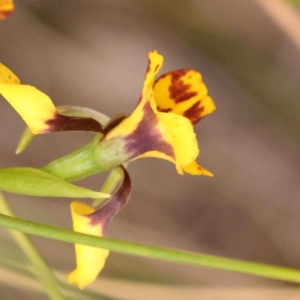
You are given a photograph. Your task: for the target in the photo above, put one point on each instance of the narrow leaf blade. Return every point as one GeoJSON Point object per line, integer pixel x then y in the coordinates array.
{"type": "Point", "coordinates": [34, 182]}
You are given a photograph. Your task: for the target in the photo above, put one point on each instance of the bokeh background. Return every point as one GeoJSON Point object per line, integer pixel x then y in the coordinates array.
{"type": "Point", "coordinates": [94, 53]}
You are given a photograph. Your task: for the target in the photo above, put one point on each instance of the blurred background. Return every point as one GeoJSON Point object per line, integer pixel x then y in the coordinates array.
{"type": "Point", "coordinates": [94, 53]}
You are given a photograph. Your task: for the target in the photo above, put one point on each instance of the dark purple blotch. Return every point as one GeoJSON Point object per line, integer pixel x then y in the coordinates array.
{"type": "Point", "coordinates": [66, 123]}
{"type": "Point", "coordinates": [120, 198]}
{"type": "Point", "coordinates": [146, 137]}
{"type": "Point", "coordinates": [194, 113]}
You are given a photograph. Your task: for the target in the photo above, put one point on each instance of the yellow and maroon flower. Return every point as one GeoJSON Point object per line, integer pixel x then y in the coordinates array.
{"type": "Point", "coordinates": [91, 260]}
{"type": "Point", "coordinates": [6, 8]}
{"type": "Point", "coordinates": [162, 124]}
{"type": "Point", "coordinates": [37, 109]}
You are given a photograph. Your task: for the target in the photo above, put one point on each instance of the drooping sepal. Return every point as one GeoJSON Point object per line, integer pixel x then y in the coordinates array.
{"type": "Point", "coordinates": [91, 260]}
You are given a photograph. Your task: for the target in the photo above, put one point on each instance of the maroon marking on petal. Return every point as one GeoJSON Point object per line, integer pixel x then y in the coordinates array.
{"type": "Point", "coordinates": [156, 67]}
{"type": "Point", "coordinates": [146, 137]}
{"type": "Point", "coordinates": [119, 199]}
{"type": "Point", "coordinates": [65, 123]}
{"type": "Point", "coordinates": [177, 74]}
{"type": "Point", "coordinates": [165, 110]}
{"type": "Point", "coordinates": [194, 112]}
{"type": "Point", "coordinates": [179, 91]}
{"type": "Point", "coordinates": [5, 13]}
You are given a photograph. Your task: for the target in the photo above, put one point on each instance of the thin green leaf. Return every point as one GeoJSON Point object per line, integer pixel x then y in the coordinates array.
{"type": "Point", "coordinates": [109, 185]}
{"type": "Point", "coordinates": [34, 182]}
{"type": "Point", "coordinates": [41, 270]}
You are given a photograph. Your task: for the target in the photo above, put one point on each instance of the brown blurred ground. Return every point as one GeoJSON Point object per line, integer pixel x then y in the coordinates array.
{"type": "Point", "coordinates": [94, 54]}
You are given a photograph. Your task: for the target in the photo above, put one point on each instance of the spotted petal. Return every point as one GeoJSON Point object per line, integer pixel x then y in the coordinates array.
{"type": "Point", "coordinates": [183, 92]}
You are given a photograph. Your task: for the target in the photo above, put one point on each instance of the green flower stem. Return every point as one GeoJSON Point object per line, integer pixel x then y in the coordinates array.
{"type": "Point", "coordinates": [41, 269]}
{"type": "Point", "coordinates": [110, 184]}
{"type": "Point", "coordinates": [197, 259]}
{"type": "Point", "coordinates": [91, 159]}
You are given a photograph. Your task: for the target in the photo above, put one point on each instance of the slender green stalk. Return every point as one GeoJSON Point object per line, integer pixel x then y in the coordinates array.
{"type": "Point", "coordinates": [41, 269]}
{"type": "Point", "coordinates": [91, 159]}
{"type": "Point", "coordinates": [109, 185]}
{"type": "Point", "coordinates": [197, 259]}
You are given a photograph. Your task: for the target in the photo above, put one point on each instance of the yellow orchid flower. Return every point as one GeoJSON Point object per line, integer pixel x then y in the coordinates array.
{"type": "Point", "coordinates": [91, 260]}
{"type": "Point", "coordinates": [162, 124]}
{"type": "Point", "coordinates": [6, 8]}
{"type": "Point", "coordinates": [37, 109]}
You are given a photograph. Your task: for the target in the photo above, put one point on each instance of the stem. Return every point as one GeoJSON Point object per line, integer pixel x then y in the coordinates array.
{"type": "Point", "coordinates": [109, 185]}
{"type": "Point", "coordinates": [42, 271]}
{"type": "Point", "coordinates": [72, 166]}
{"type": "Point", "coordinates": [197, 259]}
{"type": "Point", "coordinates": [91, 159]}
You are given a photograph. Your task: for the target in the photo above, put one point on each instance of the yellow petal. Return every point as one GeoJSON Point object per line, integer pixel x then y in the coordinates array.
{"type": "Point", "coordinates": [183, 92]}
{"type": "Point", "coordinates": [6, 8]}
{"type": "Point", "coordinates": [89, 260]}
{"type": "Point", "coordinates": [7, 76]}
{"type": "Point", "coordinates": [35, 107]}
{"type": "Point", "coordinates": [195, 169]}
{"type": "Point", "coordinates": [161, 125]}
{"type": "Point", "coordinates": [154, 65]}
{"type": "Point", "coordinates": [130, 124]}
